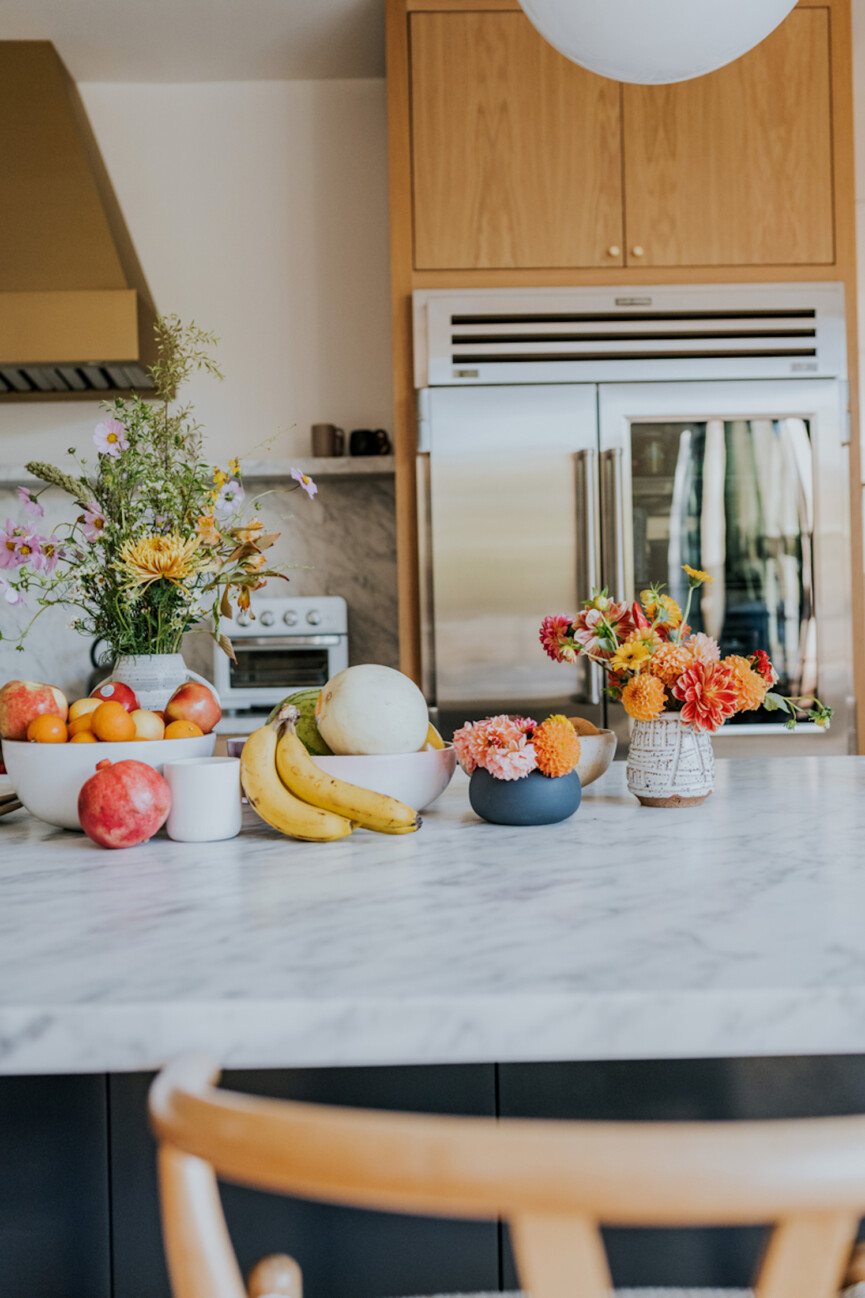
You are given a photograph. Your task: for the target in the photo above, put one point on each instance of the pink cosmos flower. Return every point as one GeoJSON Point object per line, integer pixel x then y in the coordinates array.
{"type": "Point", "coordinates": [110, 438]}
{"type": "Point", "coordinates": [10, 594]}
{"type": "Point", "coordinates": [703, 646]}
{"type": "Point", "coordinates": [51, 554]}
{"type": "Point", "coordinates": [93, 524]}
{"type": "Point", "coordinates": [18, 546]}
{"type": "Point", "coordinates": [554, 636]}
{"type": "Point", "coordinates": [229, 500]}
{"type": "Point", "coordinates": [306, 483]}
{"type": "Point", "coordinates": [31, 506]}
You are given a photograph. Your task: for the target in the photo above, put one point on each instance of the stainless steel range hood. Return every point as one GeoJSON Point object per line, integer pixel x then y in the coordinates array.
{"type": "Point", "coordinates": [76, 315]}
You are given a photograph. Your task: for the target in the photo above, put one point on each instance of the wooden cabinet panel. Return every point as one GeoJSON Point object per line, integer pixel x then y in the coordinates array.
{"type": "Point", "coordinates": [735, 168]}
{"type": "Point", "coordinates": [516, 150]}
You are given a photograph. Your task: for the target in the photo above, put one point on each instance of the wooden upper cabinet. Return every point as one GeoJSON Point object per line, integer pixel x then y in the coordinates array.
{"type": "Point", "coordinates": [735, 168]}
{"type": "Point", "coordinates": [516, 151]}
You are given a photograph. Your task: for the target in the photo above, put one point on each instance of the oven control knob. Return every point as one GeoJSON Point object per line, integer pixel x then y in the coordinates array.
{"type": "Point", "coordinates": [267, 618]}
{"type": "Point", "coordinates": [290, 618]}
{"type": "Point", "coordinates": [243, 619]}
{"type": "Point", "coordinates": [313, 617]}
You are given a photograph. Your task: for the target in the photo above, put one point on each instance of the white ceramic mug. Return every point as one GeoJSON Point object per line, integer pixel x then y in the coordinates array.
{"type": "Point", "coordinates": [205, 798]}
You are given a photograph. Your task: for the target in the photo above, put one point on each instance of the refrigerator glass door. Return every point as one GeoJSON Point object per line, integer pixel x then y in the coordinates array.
{"type": "Point", "coordinates": [512, 538]}
{"type": "Point", "coordinates": [747, 482]}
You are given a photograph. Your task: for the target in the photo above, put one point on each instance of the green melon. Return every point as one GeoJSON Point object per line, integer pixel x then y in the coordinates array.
{"type": "Point", "coordinates": [307, 730]}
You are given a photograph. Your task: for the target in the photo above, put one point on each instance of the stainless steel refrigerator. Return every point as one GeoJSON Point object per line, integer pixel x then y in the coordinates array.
{"type": "Point", "coordinates": [571, 439]}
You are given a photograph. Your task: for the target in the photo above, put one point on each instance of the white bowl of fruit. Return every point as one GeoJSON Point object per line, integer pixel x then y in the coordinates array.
{"type": "Point", "coordinates": [51, 748]}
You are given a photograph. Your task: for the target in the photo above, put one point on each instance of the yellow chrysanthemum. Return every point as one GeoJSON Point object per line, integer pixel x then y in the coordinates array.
{"type": "Point", "coordinates": [644, 698]}
{"type": "Point", "coordinates": [161, 558]}
{"type": "Point", "coordinates": [696, 574]}
{"type": "Point", "coordinates": [630, 657]}
{"type": "Point", "coordinates": [750, 685]}
{"type": "Point", "coordinates": [557, 746]}
{"type": "Point", "coordinates": [661, 608]}
{"type": "Point", "coordinates": [669, 661]}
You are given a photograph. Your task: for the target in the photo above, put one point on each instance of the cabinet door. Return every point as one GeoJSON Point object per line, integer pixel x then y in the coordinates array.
{"type": "Point", "coordinates": [516, 150]}
{"type": "Point", "coordinates": [735, 168]}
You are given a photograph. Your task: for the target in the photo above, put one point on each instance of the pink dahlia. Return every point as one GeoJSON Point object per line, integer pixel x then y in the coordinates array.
{"type": "Point", "coordinates": [555, 637]}
{"type": "Point", "coordinates": [703, 646]}
{"type": "Point", "coordinates": [710, 693]}
{"type": "Point", "coordinates": [504, 764]}
{"type": "Point", "coordinates": [498, 744]}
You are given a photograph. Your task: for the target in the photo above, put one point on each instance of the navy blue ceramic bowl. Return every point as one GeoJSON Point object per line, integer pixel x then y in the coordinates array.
{"type": "Point", "coordinates": [535, 799]}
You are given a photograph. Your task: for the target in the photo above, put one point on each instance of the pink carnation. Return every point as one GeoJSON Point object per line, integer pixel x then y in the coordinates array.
{"type": "Point", "coordinates": [504, 764]}
{"type": "Point", "coordinates": [499, 744]}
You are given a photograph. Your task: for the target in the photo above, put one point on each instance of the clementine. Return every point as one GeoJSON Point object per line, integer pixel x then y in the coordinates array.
{"type": "Point", "coordinates": [47, 729]}
{"type": "Point", "coordinates": [83, 737]}
{"type": "Point", "coordinates": [112, 723]}
{"type": "Point", "coordinates": [84, 721]}
{"type": "Point", "coordinates": [182, 730]}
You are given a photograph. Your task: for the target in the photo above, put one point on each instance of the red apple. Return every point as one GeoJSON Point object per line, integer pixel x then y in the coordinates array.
{"type": "Point", "coordinates": [148, 725]}
{"type": "Point", "coordinates": [193, 701]}
{"type": "Point", "coordinates": [123, 804]}
{"type": "Point", "coordinates": [118, 693]}
{"type": "Point", "coordinates": [22, 701]}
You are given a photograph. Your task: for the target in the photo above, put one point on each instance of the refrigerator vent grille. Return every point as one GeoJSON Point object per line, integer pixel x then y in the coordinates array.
{"type": "Point", "coordinates": [475, 338]}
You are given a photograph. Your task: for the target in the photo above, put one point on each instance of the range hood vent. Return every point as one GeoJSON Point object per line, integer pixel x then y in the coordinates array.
{"type": "Point", "coordinates": [591, 335]}
{"type": "Point", "coordinates": [76, 315]}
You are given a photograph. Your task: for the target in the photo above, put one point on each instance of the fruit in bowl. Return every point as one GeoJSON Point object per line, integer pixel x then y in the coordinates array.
{"type": "Point", "coordinates": [372, 709]}
{"type": "Point", "coordinates": [597, 750]}
{"type": "Point", "coordinates": [48, 777]}
{"type": "Point", "coordinates": [23, 701]}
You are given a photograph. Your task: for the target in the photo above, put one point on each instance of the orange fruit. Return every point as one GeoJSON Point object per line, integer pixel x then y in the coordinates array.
{"type": "Point", "coordinates": [84, 721]}
{"type": "Point", "coordinates": [81, 707]}
{"type": "Point", "coordinates": [182, 730]}
{"type": "Point", "coordinates": [47, 729]}
{"type": "Point", "coordinates": [83, 737]}
{"type": "Point", "coordinates": [112, 723]}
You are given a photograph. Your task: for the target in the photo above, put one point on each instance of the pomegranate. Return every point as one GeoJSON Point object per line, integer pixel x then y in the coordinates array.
{"type": "Point", "coordinates": [193, 701]}
{"type": "Point", "coordinates": [123, 804]}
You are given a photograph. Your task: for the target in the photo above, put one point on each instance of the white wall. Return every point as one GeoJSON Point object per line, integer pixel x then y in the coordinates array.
{"type": "Point", "coordinates": [259, 209]}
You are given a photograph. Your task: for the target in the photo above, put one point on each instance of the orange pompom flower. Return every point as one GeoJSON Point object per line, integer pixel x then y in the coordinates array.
{"type": "Point", "coordinates": [751, 686]}
{"type": "Point", "coordinates": [556, 745]}
{"type": "Point", "coordinates": [644, 697]}
{"type": "Point", "coordinates": [670, 661]}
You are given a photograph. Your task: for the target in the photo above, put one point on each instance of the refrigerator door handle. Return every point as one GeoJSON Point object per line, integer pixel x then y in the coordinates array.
{"type": "Point", "coordinates": [613, 515]}
{"type": "Point", "coordinates": [587, 559]}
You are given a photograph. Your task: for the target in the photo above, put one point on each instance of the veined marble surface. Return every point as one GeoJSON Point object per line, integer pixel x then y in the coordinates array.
{"type": "Point", "coordinates": [735, 928]}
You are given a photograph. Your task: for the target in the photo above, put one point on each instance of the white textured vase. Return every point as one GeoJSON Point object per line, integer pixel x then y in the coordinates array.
{"type": "Point", "coordinates": [153, 677]}
{"type": "Point", "coordinates": [669, 764]}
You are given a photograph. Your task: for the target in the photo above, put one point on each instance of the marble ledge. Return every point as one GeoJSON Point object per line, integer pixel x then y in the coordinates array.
{"type": "Point", "coordinates": [336, 466]}
{"type": "Point", "coordinates": [731, 929]}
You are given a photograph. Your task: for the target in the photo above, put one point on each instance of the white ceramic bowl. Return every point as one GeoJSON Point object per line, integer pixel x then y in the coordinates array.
{"type": "Point", "coordinates": [414, 778]}
{"type": "Point", "coordinates": [596, 755]}
{"type": "Point", "coordinates": [48, 777]}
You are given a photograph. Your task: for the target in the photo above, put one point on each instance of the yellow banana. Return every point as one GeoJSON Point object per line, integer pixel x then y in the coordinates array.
{"type": "Point", "coordinates": [275, 803]}
{"type": "Point", "coordinates": [433, 739]}
{"type": "Point", "coordinates": [302, 777]}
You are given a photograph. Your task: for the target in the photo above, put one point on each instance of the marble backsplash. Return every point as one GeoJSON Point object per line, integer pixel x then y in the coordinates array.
{"type": "Point", "coordinates": [343, 542]}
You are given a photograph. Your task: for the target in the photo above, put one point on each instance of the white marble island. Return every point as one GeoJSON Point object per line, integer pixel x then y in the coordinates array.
{"type": "Point", "coordinates": [734, 929]}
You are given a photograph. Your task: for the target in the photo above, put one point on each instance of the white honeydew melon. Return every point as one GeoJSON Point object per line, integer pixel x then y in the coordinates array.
{"type": "Point", "coordinates": [372, 709]}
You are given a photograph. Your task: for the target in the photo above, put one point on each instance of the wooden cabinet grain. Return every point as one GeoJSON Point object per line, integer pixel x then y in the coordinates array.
{"type": "Point", "coordinates": [516, 151]}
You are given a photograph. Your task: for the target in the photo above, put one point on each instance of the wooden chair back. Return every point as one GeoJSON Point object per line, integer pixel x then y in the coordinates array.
{"type": "Point", "coordinates": [555, 1183]}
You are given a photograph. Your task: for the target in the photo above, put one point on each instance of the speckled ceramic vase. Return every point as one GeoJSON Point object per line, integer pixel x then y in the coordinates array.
{"type": "Point", "coordinates": [670, 765]}
{"type": "Point", "coordinates": [153, 677]}
{"type": "Point", "coordinates": [535, 799]}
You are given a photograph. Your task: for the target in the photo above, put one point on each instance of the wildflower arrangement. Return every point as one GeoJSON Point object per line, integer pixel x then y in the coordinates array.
{"type": "Point", "coordinates": [161, 539]}
{"type": "Point", "coordinates": [655, 664]}
{"type": "Point", "coordinates": [511, 747]}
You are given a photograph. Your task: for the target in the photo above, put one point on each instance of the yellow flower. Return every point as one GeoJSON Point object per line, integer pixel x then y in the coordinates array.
{"type": "Point", "coordinates": [219, 477]}
{"type": "Point", "coordinates": [661, 608]}
{"type": "Point", "coordinates": [156, 558]}
{"type": "Point", "coordinates": [644, 698]}
{"type": "Point", "coordinates": [696, 575]}
{"type": "Point", "coordinates": [205, 526]}
{"type": "Point", "coordinates": [234, 466]}
{"type": "Point", "coordinates": [645, 635]}
{"type": "Point", "coordinates": [630, 657]}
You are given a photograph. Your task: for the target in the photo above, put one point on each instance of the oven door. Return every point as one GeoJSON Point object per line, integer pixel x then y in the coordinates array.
{"type": "Point", "coordinates": [269, 667]}
{"type": "Point", "coordinates": [747, 481]}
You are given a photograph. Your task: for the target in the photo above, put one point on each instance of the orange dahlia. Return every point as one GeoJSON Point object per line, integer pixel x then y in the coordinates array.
{"type": "Point", "coordinates": [669, 661]}
{"type": "Point", "coordinates": [644, 698]}
{"type": "Point", "coordinates": [556, 745]}
{"type": "Point", "coordinates": [710, 692]}
{"type": "Point", "coordinates": [751, 685]}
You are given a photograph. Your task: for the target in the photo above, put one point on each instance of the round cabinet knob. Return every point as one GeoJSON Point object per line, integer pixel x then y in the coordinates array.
{"type": "Point", "coordinates": [313, 617]}
{"type": "Point", "coordinates": [267, 618]}
{"type": "Point", "coordinates": [290, 618]}
{"type": "Point", "coordinates": [637, 250]}
{"type": "Point", "coordinates": [613, 250]}
{"type": "Point", "coordinates": [243, 619]}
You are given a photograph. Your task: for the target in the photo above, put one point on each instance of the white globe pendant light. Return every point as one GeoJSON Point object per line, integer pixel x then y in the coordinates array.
{"type": "Point", "coordinates": [655, 41]}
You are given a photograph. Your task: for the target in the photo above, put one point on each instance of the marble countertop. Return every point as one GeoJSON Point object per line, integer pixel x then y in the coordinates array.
{"type": "Point", "coordinates": [731, 929]}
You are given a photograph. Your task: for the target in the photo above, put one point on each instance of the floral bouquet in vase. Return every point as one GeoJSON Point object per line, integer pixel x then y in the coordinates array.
{"type": "Point", "coordinates": [521, 773]}
{"type": "Point", "coordinates": [673, 683]}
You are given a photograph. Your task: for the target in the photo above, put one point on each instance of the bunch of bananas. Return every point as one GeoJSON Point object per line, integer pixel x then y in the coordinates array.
{"type": "Point", "coordinates": [293, 795]}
